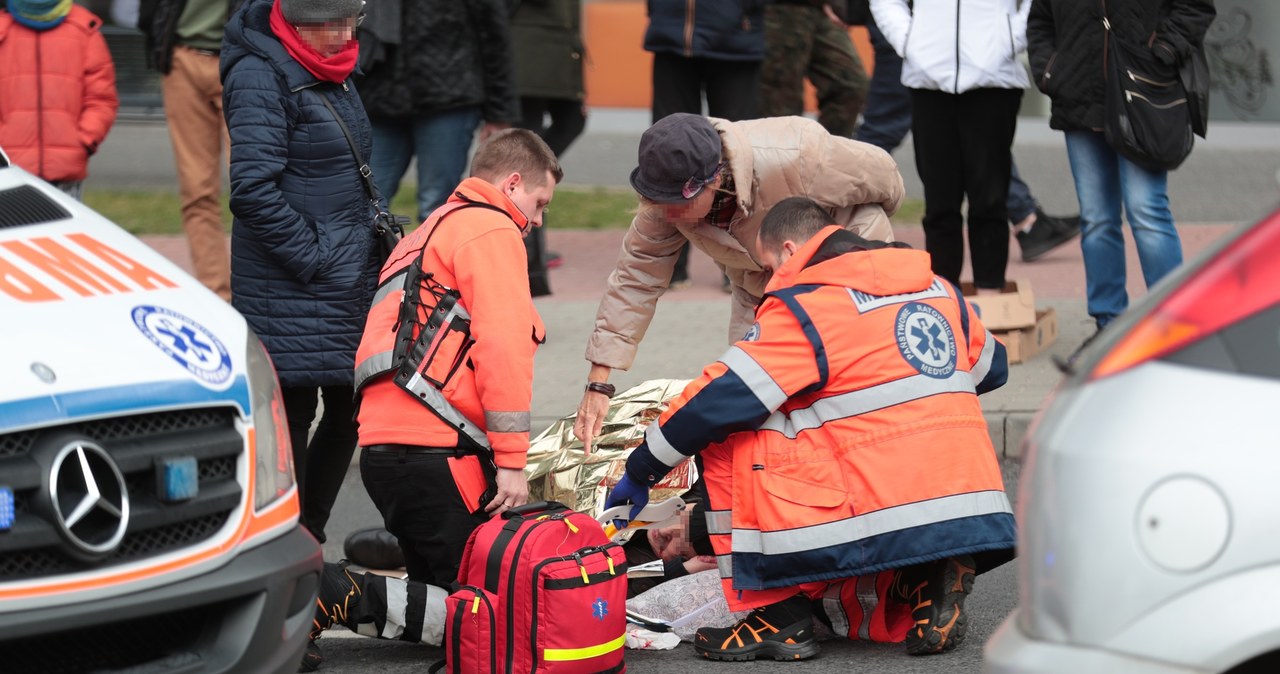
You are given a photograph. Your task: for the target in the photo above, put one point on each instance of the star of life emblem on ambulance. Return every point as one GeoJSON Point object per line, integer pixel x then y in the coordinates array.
{"type": "Point", "coordinates": [925, 340]}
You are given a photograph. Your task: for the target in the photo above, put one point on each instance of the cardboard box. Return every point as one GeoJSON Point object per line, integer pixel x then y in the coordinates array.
{"type": "Point", "coordinates": [1013, 309]}
{"type": "Point", "coordinates": [1023, 345]}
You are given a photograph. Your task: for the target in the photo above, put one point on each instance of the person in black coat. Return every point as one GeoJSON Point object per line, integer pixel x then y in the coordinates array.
{"type": "Point", "coordinates": [303, 260]}
{"type": "Point", "coordinates": [1066, 45]}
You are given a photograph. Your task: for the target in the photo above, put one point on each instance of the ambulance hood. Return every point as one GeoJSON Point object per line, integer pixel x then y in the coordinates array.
{"type": "Point", "coordinates": [94, 322]}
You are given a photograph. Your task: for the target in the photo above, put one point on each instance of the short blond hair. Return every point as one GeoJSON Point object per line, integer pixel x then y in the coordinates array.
{"type": "Point", "coordinates": [516, 151]}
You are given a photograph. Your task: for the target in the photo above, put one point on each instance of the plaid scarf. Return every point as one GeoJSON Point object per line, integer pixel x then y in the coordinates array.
{"type": "Point", "coordinates": [39, 14]}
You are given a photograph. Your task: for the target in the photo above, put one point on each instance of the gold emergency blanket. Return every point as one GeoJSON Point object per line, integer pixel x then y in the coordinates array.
{"type": "Point", "coordinates": [558, 469]}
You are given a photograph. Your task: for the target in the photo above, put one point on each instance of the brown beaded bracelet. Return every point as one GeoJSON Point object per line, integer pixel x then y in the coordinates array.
{"type": "Point", "coordinates": [600, 387]}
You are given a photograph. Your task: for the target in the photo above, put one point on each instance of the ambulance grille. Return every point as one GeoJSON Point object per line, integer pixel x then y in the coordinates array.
{"type": "Point", "coordinates": [34, 548]}
{"type": "Point", "coordinates": [26, 205]}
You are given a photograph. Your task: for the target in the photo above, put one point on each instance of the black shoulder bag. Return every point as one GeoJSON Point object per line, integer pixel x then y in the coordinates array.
{"type": "Point", "coordinates": [388, 229]}
{"type": "Point", "coordinates": [1147, 118]}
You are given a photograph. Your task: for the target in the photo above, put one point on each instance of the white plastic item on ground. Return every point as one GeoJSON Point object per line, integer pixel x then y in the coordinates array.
{"type": "Point", "coordinates": [639, 638]}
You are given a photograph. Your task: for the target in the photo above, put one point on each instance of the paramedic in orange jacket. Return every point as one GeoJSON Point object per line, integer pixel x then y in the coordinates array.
{"type": "Point", "coordinates": [429, 448]}
{"type": "Point", "coordinates": [842, 439]}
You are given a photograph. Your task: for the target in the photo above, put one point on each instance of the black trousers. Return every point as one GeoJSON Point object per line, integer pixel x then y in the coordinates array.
{"type": "Point", "coordinates": [321, 461]}
{"type": "Point", "coordinates": [558, 121]}
{"type": "Point", "coordinates": [733, 93]}
{"type": "Point", "coordinates": [421, 505]}
{"type": "Point", "coordinates": [962, 144]}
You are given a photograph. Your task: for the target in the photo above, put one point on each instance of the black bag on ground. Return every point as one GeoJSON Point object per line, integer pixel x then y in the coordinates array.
{"type": "Point", "coordinates": [1147, 118]}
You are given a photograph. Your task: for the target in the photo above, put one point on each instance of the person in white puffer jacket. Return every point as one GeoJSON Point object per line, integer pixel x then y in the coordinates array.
{"type": "Point", "coordinates": [960, 62]}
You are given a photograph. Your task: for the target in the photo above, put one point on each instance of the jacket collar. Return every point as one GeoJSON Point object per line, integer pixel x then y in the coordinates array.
{"type": "Point", "coordinates": [477, 189]}
{"type": "Point", "coordinates": [249, 32]}
{"type": "Point", "coordinates": [737, 149]}
{"type": "Point", "coordinates": [836, 256]}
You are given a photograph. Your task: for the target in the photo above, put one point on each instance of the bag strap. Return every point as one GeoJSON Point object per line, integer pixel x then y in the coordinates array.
{"type": "Point", "coordinates": [366, 173]}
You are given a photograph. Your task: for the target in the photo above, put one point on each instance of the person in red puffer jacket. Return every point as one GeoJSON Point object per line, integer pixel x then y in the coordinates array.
{"type": "Point", "coordinates": [57, 89]}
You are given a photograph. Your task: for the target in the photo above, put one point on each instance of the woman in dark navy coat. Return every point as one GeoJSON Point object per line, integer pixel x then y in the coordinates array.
{"type": "Point", "coordinates": [303, 260]}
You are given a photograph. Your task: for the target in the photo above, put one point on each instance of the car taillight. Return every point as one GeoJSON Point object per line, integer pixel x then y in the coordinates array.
{"type": "Point", "coordinates": [1241, 280]}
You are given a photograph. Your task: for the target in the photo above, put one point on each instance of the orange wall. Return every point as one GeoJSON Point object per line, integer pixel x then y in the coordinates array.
{"type": "Point", "coordinates": [618, 68]}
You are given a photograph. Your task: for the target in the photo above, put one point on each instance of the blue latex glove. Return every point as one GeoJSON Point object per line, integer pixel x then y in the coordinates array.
{"type": "Point", "coordinates": [628, 491]}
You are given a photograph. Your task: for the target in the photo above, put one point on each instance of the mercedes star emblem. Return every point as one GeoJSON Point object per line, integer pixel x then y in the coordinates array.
{"type": "Point", "coordinates": [89, 498]}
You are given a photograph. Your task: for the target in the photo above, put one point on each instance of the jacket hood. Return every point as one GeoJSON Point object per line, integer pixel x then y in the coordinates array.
{"type": "Point", "coordinates": [836, 256]}
{"type": "Point", "coordinates": [248, 33]}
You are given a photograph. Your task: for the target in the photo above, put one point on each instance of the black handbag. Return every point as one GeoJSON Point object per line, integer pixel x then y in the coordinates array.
{"type": "Point", "coordinates": [388, 229]}
{"type": "Point", "coordinates": [1147, 117]}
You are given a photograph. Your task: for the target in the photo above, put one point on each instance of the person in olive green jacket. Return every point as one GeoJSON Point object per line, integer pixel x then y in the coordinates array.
{"type": "Point", "coordinates": [546, 38]}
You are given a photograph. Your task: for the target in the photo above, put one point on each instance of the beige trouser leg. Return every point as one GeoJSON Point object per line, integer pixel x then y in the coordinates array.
{"type": "Point", "coordinates": [198, 132]}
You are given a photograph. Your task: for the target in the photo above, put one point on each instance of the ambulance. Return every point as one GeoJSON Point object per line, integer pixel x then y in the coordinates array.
{"type": "Point", "coordinates": [148, 511]}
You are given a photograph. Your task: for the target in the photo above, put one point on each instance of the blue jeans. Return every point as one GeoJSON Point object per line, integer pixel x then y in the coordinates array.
{"type": "Point", "coordinates": [886, 119]}
{"type": "Point", "coordinates": [1020, 203]}
{"type": "Point", "coordinates": [1105, 180]}
{"type": "Point", "coordinates": [441, 143]}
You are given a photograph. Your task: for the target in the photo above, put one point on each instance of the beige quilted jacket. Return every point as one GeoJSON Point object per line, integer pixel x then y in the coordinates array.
{"type": "Point", "coordinates": [771, 159]}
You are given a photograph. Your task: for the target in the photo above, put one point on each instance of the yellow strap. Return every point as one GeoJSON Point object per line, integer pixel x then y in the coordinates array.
{"type": "Point", "coordinates": [564, 654]}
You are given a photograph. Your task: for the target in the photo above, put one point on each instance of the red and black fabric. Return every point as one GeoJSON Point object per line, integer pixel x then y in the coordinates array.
{"type": "Point", "coordinates": [543, 590]}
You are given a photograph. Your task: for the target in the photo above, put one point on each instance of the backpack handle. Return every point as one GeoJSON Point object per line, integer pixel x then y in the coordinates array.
{"type": "Point", "coordinates": [535, 507]}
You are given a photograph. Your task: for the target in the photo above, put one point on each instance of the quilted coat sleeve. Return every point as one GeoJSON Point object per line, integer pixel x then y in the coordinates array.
{"type": "Point", "coordinates": [645, 263]}
{"type": "Point", "coordinates": [259, 121]}
{"type": "Point", "coordinates": [100, 101]}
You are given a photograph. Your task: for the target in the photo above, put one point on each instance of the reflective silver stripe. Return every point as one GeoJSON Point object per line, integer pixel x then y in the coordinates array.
{"type": "Point", "coordinates": [434, 620]}
{"type": "Point", "coordinates": [391, 285]}
{"type": "Point", "coordinates": [719, 522]}
{"type": "Point", "coordinates": [866, 400]}
{"type": "Point", "coordinates": [660, 448]}
{"type": "Point", "coordinates": [397, 604]}
{"type": "Point", "coordinates": [507, 422]}
{"type": "Point", "coordinates": [432, 396]}
{"type": "Point", "coordinates": [756, 378]}
{"type": "Point", "coordinates": [983, 366]}
{"type": "Point", "coordinates": [866, 302]}
{"type": "Point", "coordinates": [834, 608]}
{"type": "Point", "coordinates": [868, 599]}
{"type": "Point", "coordinates": [871, 524]}
{"type": "Point", "coordinates": [372, 366]}
{"type": "Point", "coordinates": [725, 564]}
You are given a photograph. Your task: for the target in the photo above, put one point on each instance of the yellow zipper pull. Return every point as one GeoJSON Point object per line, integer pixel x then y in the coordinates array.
{"type": "Point", "coordinates": [475, 605]}
{"type": "Point", "coordinates": [611, 571]}
{"type": "Point", "coordinates": [572, 528]}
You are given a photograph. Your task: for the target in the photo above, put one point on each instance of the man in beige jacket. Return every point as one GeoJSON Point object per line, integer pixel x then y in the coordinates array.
{"type": "Point", "coordinates": [711, 182]}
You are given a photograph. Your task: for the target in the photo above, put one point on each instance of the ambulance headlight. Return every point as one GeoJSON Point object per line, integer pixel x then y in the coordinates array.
{"type": "Point", "coordinates": [273, 455]}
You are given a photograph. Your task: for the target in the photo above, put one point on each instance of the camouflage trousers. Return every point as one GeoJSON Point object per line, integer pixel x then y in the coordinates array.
{"type": "Point", "coordinates": [802, 42]}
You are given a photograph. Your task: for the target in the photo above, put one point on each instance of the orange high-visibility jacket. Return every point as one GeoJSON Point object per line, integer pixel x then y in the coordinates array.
{"type": "Point", "coordinates": [850, 417]}
{"type": "Point", "coordinates": [480, 253]}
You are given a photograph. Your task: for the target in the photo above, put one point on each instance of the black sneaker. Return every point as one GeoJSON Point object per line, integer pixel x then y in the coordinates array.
{"type": "Point", "coordinates": [339, 595]}
{"type": "Point", "coordinates": [1047, 233]}
{"type": "Point", "coordinates": [311, 658]}
{"type": "Point", "coordinates": [782, 631]}
{"type": "Point", "coordinates": [936, 594]}
{"type": "Point", "coordinates": [374, 548]}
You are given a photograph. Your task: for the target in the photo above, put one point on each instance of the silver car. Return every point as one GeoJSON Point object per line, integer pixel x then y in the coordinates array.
{"type": "Point", "coordinates": [1149, 513]}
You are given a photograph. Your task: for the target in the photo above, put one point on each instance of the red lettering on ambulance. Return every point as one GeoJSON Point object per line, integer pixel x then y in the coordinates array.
{"type": "Point", "coordinates": [69, 268]}
{"type": "Point", "coordinates": [131, 268]}
{"type": "Point", "coordinates": [22, 286]}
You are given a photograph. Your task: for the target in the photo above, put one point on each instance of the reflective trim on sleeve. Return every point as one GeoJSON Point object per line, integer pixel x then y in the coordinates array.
{"type": "Point", "coordinates": [660, 448]}
{"type": "Point", "coordinates": [719, 522]}
{"type": "Point", "coordinates": [386, 288]}
{"type": "Point", "coordinates": [507, 422]}
{"type": "Point", "coordinates": [377, 364]}
{"type": "Point", "coordinates": [725, 564]}
{"type": "Point", "coordinates": [755, 377]}
{"type": "Point", "coordinates": [875, 523]}
{"type": "Point", "coordinates": [983, 366]}
{"type": "Point", "coordinates": [866, 400]}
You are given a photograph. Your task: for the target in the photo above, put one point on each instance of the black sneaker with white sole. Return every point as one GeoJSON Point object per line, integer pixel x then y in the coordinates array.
{"type": "Point", "coordinates": [1047, 233]}
{"type": "Point", "coordinates": [782, 631]}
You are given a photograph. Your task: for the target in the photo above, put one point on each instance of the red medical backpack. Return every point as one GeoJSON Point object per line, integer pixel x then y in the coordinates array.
{"type": "Point", "coordinates": [543, 592]}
